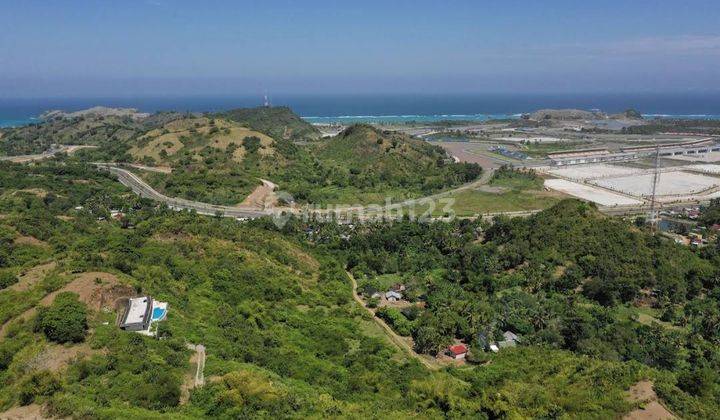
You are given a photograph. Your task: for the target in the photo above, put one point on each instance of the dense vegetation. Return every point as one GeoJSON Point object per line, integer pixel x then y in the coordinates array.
{"type": "Point", "coordinates": [284, 337]}
{"type": "Point", "coordinates": [711, 213]}
{"type": "Point", "coordinates": [599, 302]}
{"type": "Point", "coordinates": [565, 278]}
{"type": "Point", "coordinates": [64, 321]}
{"type": "Point", "coordinates": [506, 176]}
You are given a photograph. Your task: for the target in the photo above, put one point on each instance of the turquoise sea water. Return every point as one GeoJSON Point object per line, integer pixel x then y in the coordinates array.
{"type": "Point", "coordinates": [387, 108]}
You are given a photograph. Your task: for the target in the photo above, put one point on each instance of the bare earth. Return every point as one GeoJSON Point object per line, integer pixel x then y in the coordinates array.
{"type": "Point", "coordinates": [30, 240]}
{"type": "Point", "coordinates": [262, 196]}
{"type": "Point", "coordinates": [469, 152]}
{"type": "Point", "coordinates": [32, 411]}
{"type": "Point", "coordinates": [57, 357]}
{"type": "Point", "coordinates": [644, 393]}
{"type": "Point", "coordinates": [95, 295]}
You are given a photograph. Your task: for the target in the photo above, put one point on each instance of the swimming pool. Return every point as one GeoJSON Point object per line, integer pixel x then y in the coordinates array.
{"type": "Point", "coordinates": [158, 313]}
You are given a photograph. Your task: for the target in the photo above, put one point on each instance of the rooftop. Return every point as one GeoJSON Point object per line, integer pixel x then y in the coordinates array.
{"type": "Point", "coordinates": [138, 309]}
{"type": "Point", "coordinates": [458, 349]}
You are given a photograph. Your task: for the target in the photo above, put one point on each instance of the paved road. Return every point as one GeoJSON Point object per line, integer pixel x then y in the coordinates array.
{"type": "Point", "coordinates": [46, 154]}
{"type": "Point", "coordinates": [142, 189]}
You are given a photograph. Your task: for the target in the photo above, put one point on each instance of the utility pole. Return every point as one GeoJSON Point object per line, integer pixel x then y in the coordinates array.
{"type": "Point", "coordinates": [656, 178]}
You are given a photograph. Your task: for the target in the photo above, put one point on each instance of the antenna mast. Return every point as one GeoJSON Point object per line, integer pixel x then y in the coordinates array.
{"type": "Point", "coordinates": [656, 178]}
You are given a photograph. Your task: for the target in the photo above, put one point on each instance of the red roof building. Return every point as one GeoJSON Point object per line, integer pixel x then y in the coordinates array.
{"type": "Point", "coordinates": [457, 351]}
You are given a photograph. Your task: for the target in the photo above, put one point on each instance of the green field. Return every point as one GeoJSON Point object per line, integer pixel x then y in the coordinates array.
{"type": "Point", "coordinates": [474, 202]}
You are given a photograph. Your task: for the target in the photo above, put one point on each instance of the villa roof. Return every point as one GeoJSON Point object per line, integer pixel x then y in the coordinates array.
{"type": "Point", "coordinates": [458, 349]}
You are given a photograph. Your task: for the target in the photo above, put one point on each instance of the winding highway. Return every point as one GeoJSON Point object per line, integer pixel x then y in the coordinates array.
{"type": "Point", "coordinates": [142, 189]}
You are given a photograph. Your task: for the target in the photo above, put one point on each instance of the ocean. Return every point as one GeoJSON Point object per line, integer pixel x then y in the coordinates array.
{"type": "Point", "coordinates": [386, 108]}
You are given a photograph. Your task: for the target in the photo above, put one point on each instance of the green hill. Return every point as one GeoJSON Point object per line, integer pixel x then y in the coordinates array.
{"type": "Point", "coordinates": [283, 335]}
{"type": "Point", "coordinates": [89, 130]}
{"type": "Point", "coordinates": [221, 158]}
{"type": "Point", "coordinates": [365, 158]}
{"type": "Point", "coordinates": [220, 161]}
{"type": "Point", "coordinates": [277, 122]}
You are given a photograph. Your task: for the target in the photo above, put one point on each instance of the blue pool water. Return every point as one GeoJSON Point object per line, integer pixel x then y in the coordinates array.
{"type": "Point", "coordinates": [158, 313]}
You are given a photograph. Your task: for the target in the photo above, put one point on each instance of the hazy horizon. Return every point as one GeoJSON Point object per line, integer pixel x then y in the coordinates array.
{"type": "Point", "coordinates": [159, 48]}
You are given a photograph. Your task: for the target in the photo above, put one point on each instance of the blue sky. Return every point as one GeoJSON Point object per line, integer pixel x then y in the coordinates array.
{"type": "Point", "coordinates": [164, 47]}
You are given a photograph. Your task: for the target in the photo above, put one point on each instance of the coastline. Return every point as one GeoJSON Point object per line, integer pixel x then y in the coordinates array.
{"type": "Point", "coordinates": [395, 119]}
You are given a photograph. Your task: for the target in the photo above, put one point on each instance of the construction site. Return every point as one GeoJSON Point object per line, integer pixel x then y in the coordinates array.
{"type": "Point", "coordinates": [646, 177]}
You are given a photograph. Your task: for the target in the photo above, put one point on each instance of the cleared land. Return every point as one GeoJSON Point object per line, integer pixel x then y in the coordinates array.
{"type": "Point", "coordinates": [684, 198]}
{"type": "Point", "coordinates": [586, 192]}
{"type": "Point", "coordinates": [706, 157]}
{"type": "Point", "coordinates": [671, 183]}
{"type": "Point", "coordinates": [530, 139]}
{"type": "Point", "coordinates": [706, 168]}
{"type": "Point", "coordinates": [601, 170]}
{"type": "Point", "coordinates": [471, 153]}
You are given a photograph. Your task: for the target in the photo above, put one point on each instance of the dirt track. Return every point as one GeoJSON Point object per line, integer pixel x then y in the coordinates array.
{"type": "Point", "coordinates": [652, 409]}
{"type": "Point", "coordinates": [400, 342]}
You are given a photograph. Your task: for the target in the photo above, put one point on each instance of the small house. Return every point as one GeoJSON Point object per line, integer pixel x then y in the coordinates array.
{"type": "Point", "coordinates": [141, 313]}
{"type": "Point", "coordinates": [510, 339]}
{"type": "Point", "coordinates": [398, 287]}
{"type": "Point", "coordinates": [458, 351]}
{"type": "Point", "coordinates": [393, 296]}
{"type": "Point", "coordinates": [137, 314]}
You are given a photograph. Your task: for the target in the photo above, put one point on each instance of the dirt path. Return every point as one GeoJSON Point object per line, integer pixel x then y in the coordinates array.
{"type": "Point", "coordinates": [261, 196]}
{"type": "Point", "coordinates": [652, 409]}
{"type": "Point", "coordinates": [158, 169]}
{"type": "Point", "coordinates": [401, 343]}
{"type": "Point", "coordinates": [198, 379]}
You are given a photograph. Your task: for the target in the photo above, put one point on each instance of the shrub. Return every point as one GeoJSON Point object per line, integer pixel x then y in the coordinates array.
{"type": "Point", "coordinates": [43, 383]}
{"type": "Point", "coordinates": [63, 321]}
{"type": "Point", "coordinates": [7, 279]}
{"type": "Point", "coordinates": [397, 320]}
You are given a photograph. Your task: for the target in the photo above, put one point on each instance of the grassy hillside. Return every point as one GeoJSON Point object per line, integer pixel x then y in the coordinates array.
{"type": "Point", "coordinates": [89, 130]}
{"type": "Point", "coordinates": [110, 132]}
{"type": "Point", "coordinates": [283, 336]}
{"type": "Point", "coordinates": [277, 122]}
{"type": "Point", "coordinates": [220, 161]}
{"type": "Point", "coordinates": [367, 161]}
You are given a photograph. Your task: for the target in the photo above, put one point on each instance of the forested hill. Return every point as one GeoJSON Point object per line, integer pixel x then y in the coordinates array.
{"type": "Point", "coordinates": [278, 122]}
{"type": "Point", "coordinates": [220, 161]}
{"type": "Point", "coordinates": [220, 158]}
{"type": "Point", "coordinates": [369, 156]}
{"type": "Point", "coordinates": [284, 337]}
